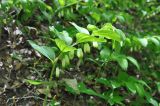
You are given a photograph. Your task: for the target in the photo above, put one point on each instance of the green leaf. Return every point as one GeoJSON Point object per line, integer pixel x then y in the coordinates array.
{"type": "Point", "coordinates": [48, 52]}
{"type": "Point", "coordinates": [91, 27]}
{"type": "Point", "coordinates": [109, 34]}
{"type": "Point", "coordinates": [103, 81]}
{"type": "Point", "coordinates": [82, 88]}
{"type": "Point", "coordinates": [61, 2]}
{"type": "Point", "coordinates": [158, 86]}
{"type": "Point", "coordinates": [61, 35]}
{"type": "Point", "coordinates": [81, 37]}
{"type": "Point", "coordinates": [123, 36]}
{"type": "Point", "coordinates": [105, 53]}
{"type": "Point", "coordinates": [35, 82]}
{"type": "Point", "coordinates": [121, 59]}
{"type": "Point", "coordinates": [144, 83]}
{"type": "Point", "coordinates": [140, 90]}
{"type": "Point", "coordinates": [151, 100]}
{"type": "Point", "coordinates": [123, 63]}
{"type": "Point", "coordinates": [131, 86]}
{"type": "Point", "coordinates": [63, 47]}
{"type": "Point", "coordinates": [143, 41]}
{"type": "Point", "coordinates": [72, 83]}
{"type": "Point", "coordinates": [115, 98]}
{"type": "Point", "coordinates": [115, 84]}
{"type": "Point", "coordinates": [80, 29]}
{"type": "Point", "coordinates": [155, 41]}
{"type": "Point", "coordinates": [134, 61]}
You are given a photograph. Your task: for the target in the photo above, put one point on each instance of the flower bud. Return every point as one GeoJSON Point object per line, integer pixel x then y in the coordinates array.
{"type": "Point", "coordinates": [86, 48]}
{"type": "Point", "coordinates": [57, 72]}
{"type": "Point", "coordinates": [71, 54]}
{"type": "Point", "coordinates": [67, 60]}
{"type": "Point", "coordinates": [95, 44]}
{"type": "Point", "coordinates": [79, 53]}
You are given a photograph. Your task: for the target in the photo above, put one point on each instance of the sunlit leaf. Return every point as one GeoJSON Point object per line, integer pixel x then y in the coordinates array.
{"type": "Point", "coordinates": [91, 27]}
{"type": "Point", "coordinates": [134, 61]}
{"type": "Point", "coordinates": [80, 29]}
{"type": "Point", "coordinates": [155, 41]}
{"type": "Point", "coordinates": [81, 37]}
{"type": "Point", "coordinates": [109, 34]}
{"type": "Point", "coordinates": [35, 82]}
{"type": "Point", "coordinates": [63, 46]}
{"type": "Point", "coordinates": [123, 63]}
{"type": "Point", "coordinates": [61, 35]}
{"type": "Point", "coordinates": [48, 52]}
{"type": "Point", "coordinates": [143, 41]}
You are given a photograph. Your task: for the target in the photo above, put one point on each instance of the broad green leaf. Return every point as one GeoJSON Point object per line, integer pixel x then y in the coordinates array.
{"type": "Point", "coordinates": [83, 89]}
{"type": "Point", "coordinates": [95, 16]}
{"type": "Point", "coordinates": [73, 84]}
{"type": "Point", "coordinates": [63, 47]}
{"type": "Point", "coordinates": [121, 59]}
{"type": "Point", "coordinates": [140, 90]}
{"type": "Point", "coordinates": [105, 53]}
{"type": "Point", "coordinates": [155, 41]}
{"type": "Point", "coordinates": [115, 84]}
{"type": "Point", "coordinates": [80, 29]}
{"type": "Point", "coordinates": [48, 52]}
{"type": "Point", "coordinates": [131, 86]}
{"type": "Point", "coordinates": [158, 37]}
{"type": "Point", "coordinates": [103, 81]}
{"type": "Point", "coordinates": [61, 35]}
{"type": "Point", "coordinates": [108, 26]}
{"type": "Point", "coordinates": [143, 41]}
{"type": "Point", "coordinates": [65, 36]}
{"type": "Point", "coordinates": [81, 37]}
{"type": "Point", "coordinates": [91, 27]}
{"type": "Point", "coordinates": [123, 63]}
{"type": "Point", "coordinates": [122, 76]}
{"type": "Point", "coordinates": [144, 83]}
{"type": "Point", "coordinates": [61, 2]}
{"type": "Point", "coordinates": [115, 98]}
{"type": "Point", "coordinates": [109, 34]}
{"type": "Point", "coordinates": [121, 18]}
{"type": "Point", "coordinates": [123, 37]}
{"type": "Point", "coordinates": [134, 61]}
{"type": "Point", "coordinates": [158, 86]}
{"type": "Point", "coordinates": [151, 100]}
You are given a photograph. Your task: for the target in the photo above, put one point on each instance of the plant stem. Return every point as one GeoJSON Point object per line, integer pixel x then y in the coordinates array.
{"type": "Point", "coordinates": [50, 78]}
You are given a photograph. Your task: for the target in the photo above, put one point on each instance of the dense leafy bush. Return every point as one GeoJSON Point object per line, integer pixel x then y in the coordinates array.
{"type": "Point", "coordinates": [106, 51]}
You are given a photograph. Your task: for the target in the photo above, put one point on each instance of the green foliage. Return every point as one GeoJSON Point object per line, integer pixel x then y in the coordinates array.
{"type": "Point", "coordinates": [49, 52]}
{"type": "Point", "coordinates": [117, 46]}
